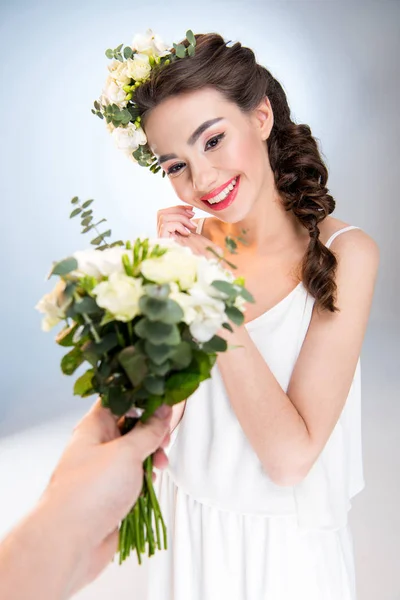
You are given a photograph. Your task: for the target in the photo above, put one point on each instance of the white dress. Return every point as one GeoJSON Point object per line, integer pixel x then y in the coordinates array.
{"type": "Point", "coordinates": [232, 533]}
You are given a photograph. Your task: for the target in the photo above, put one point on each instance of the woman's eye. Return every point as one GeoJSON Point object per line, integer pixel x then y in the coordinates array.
{"type": "Point", "coordinates": [174, 169]}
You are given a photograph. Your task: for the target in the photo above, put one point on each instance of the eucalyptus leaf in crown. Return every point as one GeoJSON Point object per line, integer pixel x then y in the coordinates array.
{"type": "Point", "coordinates": [130, 67]}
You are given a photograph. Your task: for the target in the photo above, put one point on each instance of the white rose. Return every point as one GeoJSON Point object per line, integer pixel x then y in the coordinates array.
{"type": "Point", "coordinates": [175, 265]}
{"type": "Point", "coordinates": [129, 138]}
{"type": "Point", "coordinates": [113, 94]}
{"type": "Point", "coordinates": [98, 264]}
{"type": "Point", "coordinates": [150, 43]}
{"type": "Point", "coordinates": [210, 315]}
{"type": "Point", "coordinates": [210, 270]}
{"type": "Point", "coordinates": [53, 306]}
{"type": "Point", "coordinates": [139, 67]}
{"type": "Point", "coordinates": [185, 302]}
{"type": "Point", "coordinates": [120, 296]}
{"type": "Point", "coordinates": [119, 72]}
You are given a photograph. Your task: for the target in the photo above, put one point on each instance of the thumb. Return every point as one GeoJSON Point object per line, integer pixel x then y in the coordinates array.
{"type": "Point", "coordinates": [147, 437]}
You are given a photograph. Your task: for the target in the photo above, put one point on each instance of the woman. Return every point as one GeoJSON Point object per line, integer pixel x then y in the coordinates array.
{"type": "Point", "coordinates": [267, 453]}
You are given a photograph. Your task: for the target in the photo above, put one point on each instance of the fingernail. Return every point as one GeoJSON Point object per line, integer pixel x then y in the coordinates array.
{"type": "Point", "coordinates": [162, 411]}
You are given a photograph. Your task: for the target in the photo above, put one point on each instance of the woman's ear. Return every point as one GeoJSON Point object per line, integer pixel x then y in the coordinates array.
{"type": "Point", "coordinates": [264, 118]}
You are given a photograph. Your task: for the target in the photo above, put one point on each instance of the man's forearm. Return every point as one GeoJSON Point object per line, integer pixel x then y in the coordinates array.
{"type": "Point", "coordinates": [40, 555]}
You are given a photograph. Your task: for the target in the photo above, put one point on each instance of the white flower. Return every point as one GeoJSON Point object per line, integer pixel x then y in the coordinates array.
{"type": "Point", "coordinates": [119, 72]}
{"type": "Point", "coordinates": [175, 265]}
{"type": "Point", "coordinates": [53, 306]}
{"type": "Point", "coordinates": [185, 302]}
{"type": "Point", "coordinates": [240, 303]}
{"type": "Point", "coordinates": [113, 94]}
{"type": "Point", "coordinates": [129, 138]}
{"type": "Point", "coordinates": [210, 315]}
{"type": "Point", "coordinates": [120, 296]}
{"type": "Point", "coordinates": [139, 67]}
{"type": "Point", "coordinates": [98, 264]}
{"type": "Point", "coordinates": [210, 270]}
{"type": "Point", "coordinates": [150, 43]}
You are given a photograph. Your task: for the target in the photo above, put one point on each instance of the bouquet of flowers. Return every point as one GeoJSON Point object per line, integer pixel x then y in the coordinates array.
{"type": "Point", "coordinates": [144, 317]}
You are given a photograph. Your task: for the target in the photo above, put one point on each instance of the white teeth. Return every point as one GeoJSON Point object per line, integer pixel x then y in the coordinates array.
{"type": "Point", "coordinates": [222, 195]}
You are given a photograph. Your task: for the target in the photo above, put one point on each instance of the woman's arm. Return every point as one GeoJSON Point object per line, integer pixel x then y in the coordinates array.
{"type": "Point", "coordinates": [288, 431]}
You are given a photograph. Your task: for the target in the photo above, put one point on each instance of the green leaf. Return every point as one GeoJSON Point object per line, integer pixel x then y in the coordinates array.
{"type": "Point", "coordinates": [225, 287]}
{"type": "Point", "coordinates": [157, 332]}
{"type": "Point", "coordinates": [180, 386]}
{"type": "Point", "coordinates": [128, 52]}
{"type": "Point", "coordinates": [204, 363]}
{"type": "Point", "coordinates": [180, 51]}
{"type": "Point", "coordinates": [234, 314]}
{"type": "Point", "coordinates": [88, 228]}
{"type": "Point", "coordinates": [71, 361]}
{"type": "Point", "coordinates": [154, 384]}
{"type": "Point", "coordinates": [190, 37]}
{"type": "Point", "coordinates": [152, 403]}
{"type": "Point", "coordinates": [86, 306]}
{"type": "Point", "coordinates": [75, 212]}
{"type": "Point", "coordinates": [108, 342]}
{"type": "Point", "coordinates": [86, 213]}
{"type": "Point", "coordinates": [75, 200]}
{"type": "Point", "coordinates": [89, 353]}
{"type": "Point", "coordinates": [161, 369]}
{"type": "Point", "coordinates": [190, 50]}
{"type": "Point", "coordinates": [158, 353]}
{"type": "Point", "coordinates": [167, 311]}
{"type": "Point", "coordinates": [65, 336]}
{"type": "Point", "coordinates": [157, 291]}
{"type": "Point", "coordinates": [109, 53]}
{"type": "Point", "coordinates": [83, 385]}
{"type": "Point", "coordinates": [228, 327]}
{"type": "Point", "coordinates": [182, 355]}
{"type": "Point", "coordinates": [87, 203]}
{"type": "Point", "coordinates": [134, 365]}
{"type": "Point", "coordinates": [96, 105]}
{"type": "Point", "coordinates": [97, 240]}
{"type": "Point", "coordinates": [216, 344]}
{"type": "Point", "coordinates": [65, 266]}
{"type": "Point", "coordinates": [118, 48]}
{"type": "Point", "coordinates": [246, 295]}
{"type": "Point", "coordinates": [118, 400]}
{"type": "Point", "coordinates": [85, 222]}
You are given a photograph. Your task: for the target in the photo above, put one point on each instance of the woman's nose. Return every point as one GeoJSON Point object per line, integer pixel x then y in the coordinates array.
{"type": "Point", "coordinates": [204, 178]}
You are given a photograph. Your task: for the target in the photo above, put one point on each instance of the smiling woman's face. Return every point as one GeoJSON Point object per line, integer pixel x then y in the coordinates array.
{"type": "Point", "coordinates": [206, 145]}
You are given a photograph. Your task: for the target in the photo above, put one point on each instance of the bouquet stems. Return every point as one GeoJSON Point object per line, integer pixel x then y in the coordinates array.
{"type": "Point", "coordinates": [136, 529]}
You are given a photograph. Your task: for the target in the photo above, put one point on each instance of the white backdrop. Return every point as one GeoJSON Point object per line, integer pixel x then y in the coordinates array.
{"type": "Point", "coordinates": [338, 62]}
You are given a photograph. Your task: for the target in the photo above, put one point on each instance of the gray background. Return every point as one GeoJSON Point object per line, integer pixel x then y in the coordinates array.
{"type": "Point", "coordinates": [338, 62]}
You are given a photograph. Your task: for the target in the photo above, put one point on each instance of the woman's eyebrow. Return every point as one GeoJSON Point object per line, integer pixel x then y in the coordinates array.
{"type": "Point", "coordinates": [193, 138]}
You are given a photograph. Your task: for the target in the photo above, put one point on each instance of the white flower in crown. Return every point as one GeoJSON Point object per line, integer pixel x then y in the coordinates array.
{"type": "Point", "coordinates": [150, 43]}
{"type": "Point", "coordinates": [129, 138]}
{"type": "Point", "coordinates": [113, 94]}
{"type": "Point", "coordinates": [119, 72]}
{"type": "Point", "coordinates": [139, 67]}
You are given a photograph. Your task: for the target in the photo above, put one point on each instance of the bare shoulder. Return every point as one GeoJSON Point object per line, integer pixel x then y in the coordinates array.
{"type": "Point", "coordinates": [357, 241]}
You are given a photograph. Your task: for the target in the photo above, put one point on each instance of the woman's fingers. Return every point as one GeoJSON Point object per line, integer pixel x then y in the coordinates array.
{"type": "Point", "coordinates": [175, 219]}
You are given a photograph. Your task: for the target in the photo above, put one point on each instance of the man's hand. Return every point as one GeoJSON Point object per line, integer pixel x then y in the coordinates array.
{"type": "Point", "coordinates": [98, 479]}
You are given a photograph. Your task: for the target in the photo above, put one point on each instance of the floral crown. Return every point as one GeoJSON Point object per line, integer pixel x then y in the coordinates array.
{"type": "Point", "coordinates": [130, 68]}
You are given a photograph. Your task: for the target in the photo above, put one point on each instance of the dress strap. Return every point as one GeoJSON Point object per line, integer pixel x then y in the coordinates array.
{"type": "Point", "coordinates": [334, 235]}
{"type": "Point", "coordinates": [200, 225]}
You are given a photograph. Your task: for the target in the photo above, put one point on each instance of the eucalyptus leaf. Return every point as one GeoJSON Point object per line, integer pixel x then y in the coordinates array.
{"type": "Point", "coordinates": [128, 52]}
{"type": "Point", "coordinates": [158, 353]}
{"type": "Point", "coordinates": [154, 384]}
{"type": "Point", "coordinates": [65, 266]}
{"type": "Point", "coordinates": [75, 200]}
{"type": "Point", "coordinates": [109, 53]}
{"type": "Point", "coordinates": [86, 306]}
{"type": "Point", "coordinates": [190, 37]}
{"type": "Point", "coordinates": [182, 355]}
{"type": "Point", "coordinates": [75, 212]}
{"type": "Point", "coordinates": [225, 287]}
{"type": "Point", "coordinates": [161, 369]}
{"type": "Point", "coordinates": [234, 314]}
{"type": "Point", "coordinates": [216, 344]}
{"type": "Point", "coordinates": [85, 222]}
{"type": "Point", "coordinates": [157, 332]}
{"type": "Point", "coordinates": [134, 365]}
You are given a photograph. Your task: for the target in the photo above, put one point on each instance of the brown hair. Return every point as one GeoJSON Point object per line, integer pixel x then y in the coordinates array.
{"type": "Point", "coordinates": [299, 171]}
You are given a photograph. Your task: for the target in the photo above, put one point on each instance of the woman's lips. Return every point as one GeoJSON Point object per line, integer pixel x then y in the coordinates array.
{"type": "Point", "coordinates": [228, 200]}
{"type": "Point", "coordinates": [218, 190]}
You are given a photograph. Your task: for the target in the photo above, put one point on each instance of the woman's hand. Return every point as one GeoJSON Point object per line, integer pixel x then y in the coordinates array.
{"type": "Point", "coordinates": [175, 219]}
{"type": "Point", "coordinates": [199, 244]}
